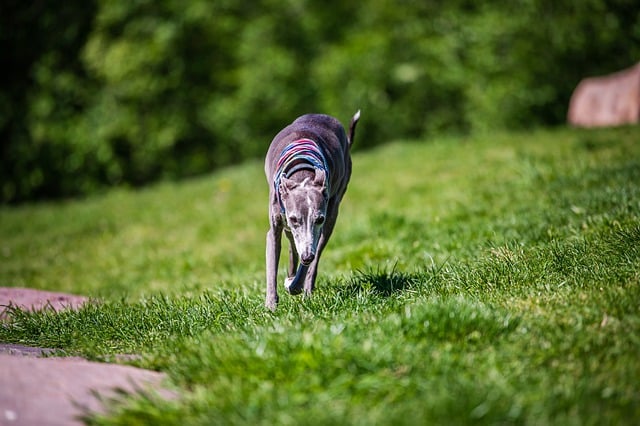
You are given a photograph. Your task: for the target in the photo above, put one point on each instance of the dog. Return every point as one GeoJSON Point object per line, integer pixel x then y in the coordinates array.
{"type": "Point", "coordinates": [308, 167]}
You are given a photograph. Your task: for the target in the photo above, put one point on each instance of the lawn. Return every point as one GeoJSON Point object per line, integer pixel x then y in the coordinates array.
{"type": "Point", "coordinates": [488, 279]}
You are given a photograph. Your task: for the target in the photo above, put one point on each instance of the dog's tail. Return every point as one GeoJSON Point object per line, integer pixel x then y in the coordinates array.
{"type": "Point", "coordinates": [352, 126]}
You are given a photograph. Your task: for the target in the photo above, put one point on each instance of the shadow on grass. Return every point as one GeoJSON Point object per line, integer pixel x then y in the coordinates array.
{"type": "Point", "coordinates": [386, 282]}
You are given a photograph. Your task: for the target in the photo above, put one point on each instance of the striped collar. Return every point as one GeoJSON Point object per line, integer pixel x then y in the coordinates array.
{"type": "Point", "coordinates": [300, 154]}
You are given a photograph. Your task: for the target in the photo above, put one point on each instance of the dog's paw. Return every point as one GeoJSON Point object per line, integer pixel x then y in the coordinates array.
{"type": "Point", "coordinates": [288, 281]}
{"type": "Point", "coordinates": [288, 284]}
{"type": "Point", "coordinates": [271, 304]}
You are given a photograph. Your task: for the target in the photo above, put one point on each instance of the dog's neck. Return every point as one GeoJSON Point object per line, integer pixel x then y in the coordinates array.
{"type": "Point", "coordinates": [298, 161]}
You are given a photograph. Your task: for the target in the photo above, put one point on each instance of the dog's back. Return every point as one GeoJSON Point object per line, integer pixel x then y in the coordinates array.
{"type": "Point", "coordinates": [330, 136]}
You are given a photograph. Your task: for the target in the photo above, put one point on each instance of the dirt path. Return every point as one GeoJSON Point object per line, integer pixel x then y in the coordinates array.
{"type": "Point", "coordinates": [58, 390]}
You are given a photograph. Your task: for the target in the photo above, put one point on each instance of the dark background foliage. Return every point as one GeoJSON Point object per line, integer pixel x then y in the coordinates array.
{"type": "Point", "coordinates": [125, 92]}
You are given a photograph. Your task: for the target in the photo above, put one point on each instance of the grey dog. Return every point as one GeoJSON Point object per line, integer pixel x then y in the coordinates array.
{"type": "Point", "coordinates": [308, 166]}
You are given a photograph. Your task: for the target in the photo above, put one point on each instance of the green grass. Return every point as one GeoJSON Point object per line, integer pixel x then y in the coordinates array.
{"type": "Point", "coordinates": [493, 279]}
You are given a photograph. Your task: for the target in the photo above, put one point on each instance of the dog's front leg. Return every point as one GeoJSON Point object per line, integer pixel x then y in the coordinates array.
{"type": "Point", "coordinates": [293, 256]}
{"type": "Point", "coordinates": [327, 230]}
{"type": "Point", "coordinates": [312, 271]}
{"type": "Point", "coordinates": [274, 244]}
{"type": "Point", "coordinates": [296, 274]}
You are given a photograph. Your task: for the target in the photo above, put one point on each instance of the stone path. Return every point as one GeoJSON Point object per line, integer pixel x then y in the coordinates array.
{"type": "Point", "coordinates": [35, 300]}
{"type": "Point", "coordinates": [58, 390]}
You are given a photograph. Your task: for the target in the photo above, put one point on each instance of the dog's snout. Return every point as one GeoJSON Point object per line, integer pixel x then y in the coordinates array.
{"type": "Point", "coordinates": [307, 258]}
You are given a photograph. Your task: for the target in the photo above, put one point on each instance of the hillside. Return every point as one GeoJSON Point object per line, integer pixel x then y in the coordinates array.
{"type": "Point", "coordinates": [490, 279]}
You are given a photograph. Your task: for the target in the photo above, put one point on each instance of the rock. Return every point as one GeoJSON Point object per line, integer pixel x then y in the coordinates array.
{"type": "Point", "coordinates": [610, 100]}
{"type": "Point", "coordinates": [58, 391]}
{"type": "Point", "coordinates": [35, 300]}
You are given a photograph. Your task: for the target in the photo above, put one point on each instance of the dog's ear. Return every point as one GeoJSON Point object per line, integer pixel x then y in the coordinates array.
{"type": "Point", "coordinates": [287, 185]}
{"type": "Point", "coordinates": [320, 178]}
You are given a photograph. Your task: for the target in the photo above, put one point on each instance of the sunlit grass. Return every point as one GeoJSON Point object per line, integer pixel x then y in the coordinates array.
{"type": "Point", "coordinates": [493, 279]}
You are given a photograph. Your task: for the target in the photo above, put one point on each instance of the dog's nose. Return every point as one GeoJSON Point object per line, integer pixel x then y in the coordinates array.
{"type": "Point", "coordinates": [307, 258]}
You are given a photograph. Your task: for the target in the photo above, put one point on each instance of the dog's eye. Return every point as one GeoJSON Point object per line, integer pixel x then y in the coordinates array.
{"type": "Point", "coordinates": [319, 220]}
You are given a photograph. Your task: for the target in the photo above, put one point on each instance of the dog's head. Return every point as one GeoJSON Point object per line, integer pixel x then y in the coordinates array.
{"type": "Point", "coordinates": [305, 207]}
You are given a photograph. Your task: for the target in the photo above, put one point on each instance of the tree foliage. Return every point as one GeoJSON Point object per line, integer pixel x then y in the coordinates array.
{"type": "Point", "coordinates": [126, 92]}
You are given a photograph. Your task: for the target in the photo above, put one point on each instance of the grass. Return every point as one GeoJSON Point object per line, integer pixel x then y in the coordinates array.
{"type": "Point", "coordinates": [493, 279]}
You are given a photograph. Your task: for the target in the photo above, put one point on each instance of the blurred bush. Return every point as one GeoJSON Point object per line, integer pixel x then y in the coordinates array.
{"type": "Point", "coordinates": [126, 92]}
